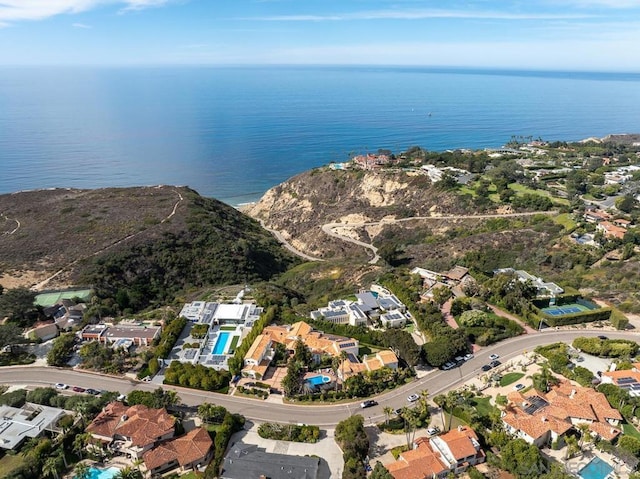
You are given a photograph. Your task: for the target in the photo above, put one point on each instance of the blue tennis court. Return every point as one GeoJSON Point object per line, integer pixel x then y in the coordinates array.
{"type": "Point", "coordinates": [566, 309]}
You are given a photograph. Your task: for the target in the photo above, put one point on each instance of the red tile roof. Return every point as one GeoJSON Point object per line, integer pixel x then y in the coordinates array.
{"type": "Point", "coordinates": [139, 423]}
{"type": "Point", "coordinates": [191, 448]}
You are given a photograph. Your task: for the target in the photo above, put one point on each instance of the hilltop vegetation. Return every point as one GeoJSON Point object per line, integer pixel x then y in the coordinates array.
{"type": "Point", "coordinates": [135, 246]}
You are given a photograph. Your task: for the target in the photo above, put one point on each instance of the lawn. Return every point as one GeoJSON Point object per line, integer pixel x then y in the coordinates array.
{"type": "Point", "coordinates": [234, 343]}
{"type": "Point", "coordinates": [510, 378]}
{"type": "Point", "coordinates": [410, 327]}
{"type": "Point", "coordinates": [192, 475]}
{"type": "Point", "coordinates": [521, 190]}
{"type": "Point", "coordinates": [565, 220]}
{"type": "Point", "coordinates": [9, 463]}
{"type": "Point", "coordinates": [629, 430]}
{"type": "Point", "coordinates": [482, 405]}
{"type": "Point", "coordinates": [227, 328]}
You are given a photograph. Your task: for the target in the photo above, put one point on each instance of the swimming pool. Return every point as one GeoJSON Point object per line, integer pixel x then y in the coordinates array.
{"type": "Point", "coordinates": [319, 379]}
{"type": "Point", "coordinates": [221, 343]}
{"type": "Point", "coordinates": [596, 469]}
{"type": "Point", "coordinates": [109, 473]}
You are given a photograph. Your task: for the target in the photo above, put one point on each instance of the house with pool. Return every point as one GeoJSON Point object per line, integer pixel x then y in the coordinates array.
{"type": "Point", "coordinates": [226, 324]}
{"type": "Point", "coordinates": [147, 434]}
{"type": "Point", "coordinates": [261, 352]}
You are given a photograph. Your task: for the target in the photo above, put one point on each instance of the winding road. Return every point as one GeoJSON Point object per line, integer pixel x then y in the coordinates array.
{"type": "Point", "coordinates": [436, 382]}
{"type": "Point", "coordinates": [330, 229]}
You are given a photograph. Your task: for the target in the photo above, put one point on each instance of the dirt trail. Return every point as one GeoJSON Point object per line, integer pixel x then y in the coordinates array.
{"type": "Point", "coordinates": [42, 284]}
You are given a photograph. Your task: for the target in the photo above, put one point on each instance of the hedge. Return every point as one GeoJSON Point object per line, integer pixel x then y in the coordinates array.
{"type": "Point", "coordinates": [602, 314]}
{"type": "Point", "coordinates": [608, 348]}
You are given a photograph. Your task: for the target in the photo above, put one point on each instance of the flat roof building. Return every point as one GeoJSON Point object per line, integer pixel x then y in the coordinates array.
{"type": "Point", "coordinates": [31, 420]}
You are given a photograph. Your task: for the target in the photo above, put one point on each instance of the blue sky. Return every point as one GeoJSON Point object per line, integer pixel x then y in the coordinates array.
{"type": "Point", "coordinates": [593, 35]}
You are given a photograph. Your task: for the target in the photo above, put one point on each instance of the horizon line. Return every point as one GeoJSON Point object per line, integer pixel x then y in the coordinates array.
{"type": "Point", "coordinates": [501, 69]}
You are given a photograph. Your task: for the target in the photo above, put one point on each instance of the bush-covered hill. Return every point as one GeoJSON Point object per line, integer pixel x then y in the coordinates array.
{"type": "Point", "coordinates": [138, 245]}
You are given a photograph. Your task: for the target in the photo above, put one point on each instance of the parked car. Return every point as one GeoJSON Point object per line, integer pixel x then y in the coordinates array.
{"type": "Point", "coordinates": [413, 398]}
{"type": "Point", "coordinates": [94, 392]}
{"type": "Point", "coordinates": [579, 359]}
{"type": "Point", "coordinates": [495, 364]}
{"type": "Point", "coordinates": [447, 366]}
{"type": "Point", "coordinates": [493, 357]}
{"type": "Point", "coordinates": [468, 357]}
{"type": "Point", "coordinates": [368, 403]}
{"type": "Point", "coordinates": [604, 338]}
{"type": "Point", "coordinates": [78, 389]}
{"type": "Point", "coordinates": [432, 431]}
{"type": "Point", "coordinates": [486, 367]}
{"type": "Point", "coordinates": [398, 411]}
{"type": "Point", "coordinates": [459, 359]}
{"type": "Point", "coordinates": [62, 386]}
{"type": "Point", "coordinates": [518, 387]}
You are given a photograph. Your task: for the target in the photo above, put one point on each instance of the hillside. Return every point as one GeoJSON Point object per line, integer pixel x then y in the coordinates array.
{"type": "Point", "coordinates": [299, 207]}
{"type": "Point", "coordinates": [153, 241]}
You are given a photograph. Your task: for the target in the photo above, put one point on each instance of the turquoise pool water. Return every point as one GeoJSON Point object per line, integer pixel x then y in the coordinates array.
{"type": "Point", "coordinates": [596, 469]}
{"type": "Point", "coordinates": [95, 473]}
{"type": "Point", "coordinates": [221, 342]}
{"type": "Point", "coordinates": [317, 380]}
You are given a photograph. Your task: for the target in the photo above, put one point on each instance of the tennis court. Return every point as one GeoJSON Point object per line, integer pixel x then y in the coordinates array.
{"type": "Point", "coordinates": [49, 299]}
{"type": "Point", "coordinates": [564, 309]}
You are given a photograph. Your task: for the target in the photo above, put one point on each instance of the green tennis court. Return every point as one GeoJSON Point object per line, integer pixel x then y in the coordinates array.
{"type": "Point", "coordinates": [49, 299]}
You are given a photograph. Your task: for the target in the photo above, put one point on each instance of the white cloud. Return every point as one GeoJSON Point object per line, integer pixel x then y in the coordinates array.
{"type": "Point", "coordinates": [81, 25]}
{"type": "Point", "coordinates": [421, 15]}
{"type": "Point", "coordinates": [17, 10]}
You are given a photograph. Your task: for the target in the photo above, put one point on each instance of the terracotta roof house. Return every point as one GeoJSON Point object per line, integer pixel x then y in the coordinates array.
{"type": "Point", "coordinates": [543, 418]}
{"type": "Point", "coordinates": [187, 452]}
{"type": "Point", "coordinates": [132, 430]}
{"type": "Point", "coordinates": [261, 352]}
{"type": "Point", "coordinates": [438, 456]}
{"type": "Point", "coordinates": [610, 230]}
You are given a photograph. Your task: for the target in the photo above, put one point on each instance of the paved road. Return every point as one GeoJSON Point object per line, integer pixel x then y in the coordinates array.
{"type": "Point", "coordinates": [436, 382]}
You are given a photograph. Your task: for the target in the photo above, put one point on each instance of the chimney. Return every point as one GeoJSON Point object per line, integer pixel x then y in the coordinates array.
{"type": "Point", "coordinates": [573, 393]}
{"type": "Point", "coordinates": [544, 419]}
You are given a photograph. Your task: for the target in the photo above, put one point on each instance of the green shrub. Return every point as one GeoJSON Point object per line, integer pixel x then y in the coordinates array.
{"type": "Point", "coordinates": [289, 432]}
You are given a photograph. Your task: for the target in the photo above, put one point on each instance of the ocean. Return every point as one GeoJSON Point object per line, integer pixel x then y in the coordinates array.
{"type": "Point", "coordinates": [233, 132]}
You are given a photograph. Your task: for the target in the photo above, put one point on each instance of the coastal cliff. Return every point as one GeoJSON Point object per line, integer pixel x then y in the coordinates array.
{"type": "Point", "coordinates": [299, 207]}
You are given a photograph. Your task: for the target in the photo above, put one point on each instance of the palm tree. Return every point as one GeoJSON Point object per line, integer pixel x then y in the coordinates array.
{"type": "Point", "coordinates": [441, 401]}
{"type": "Point", "coordinates": [585, 436]}
{"type": "Point", "coordinates": [410, 423]}
{"type": "Point", "coordinates": [52, 466]}
{"type": "Point", "coordinates": [128, 473]}
{"type": "Point", "coordinates": [79, 443]}
{"type": "Point", "coordinates": [388, 410]}
{"type": "Point", "coordinates": [81, 471]}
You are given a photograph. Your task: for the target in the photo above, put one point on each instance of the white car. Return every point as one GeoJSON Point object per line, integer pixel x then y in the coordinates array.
{"type": "Point", "coordinates": [518, 387]}
{"type": "Point", "coordinates": [493, 357]}
{"type": "Point", "coordinates": [468, 357]}
{"type": "Point", "coordinates": [62, 386]}
{"type": "Point", "coordinates": [413, 398]}
{"type": "Point", "coordinates": [432, 431]}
